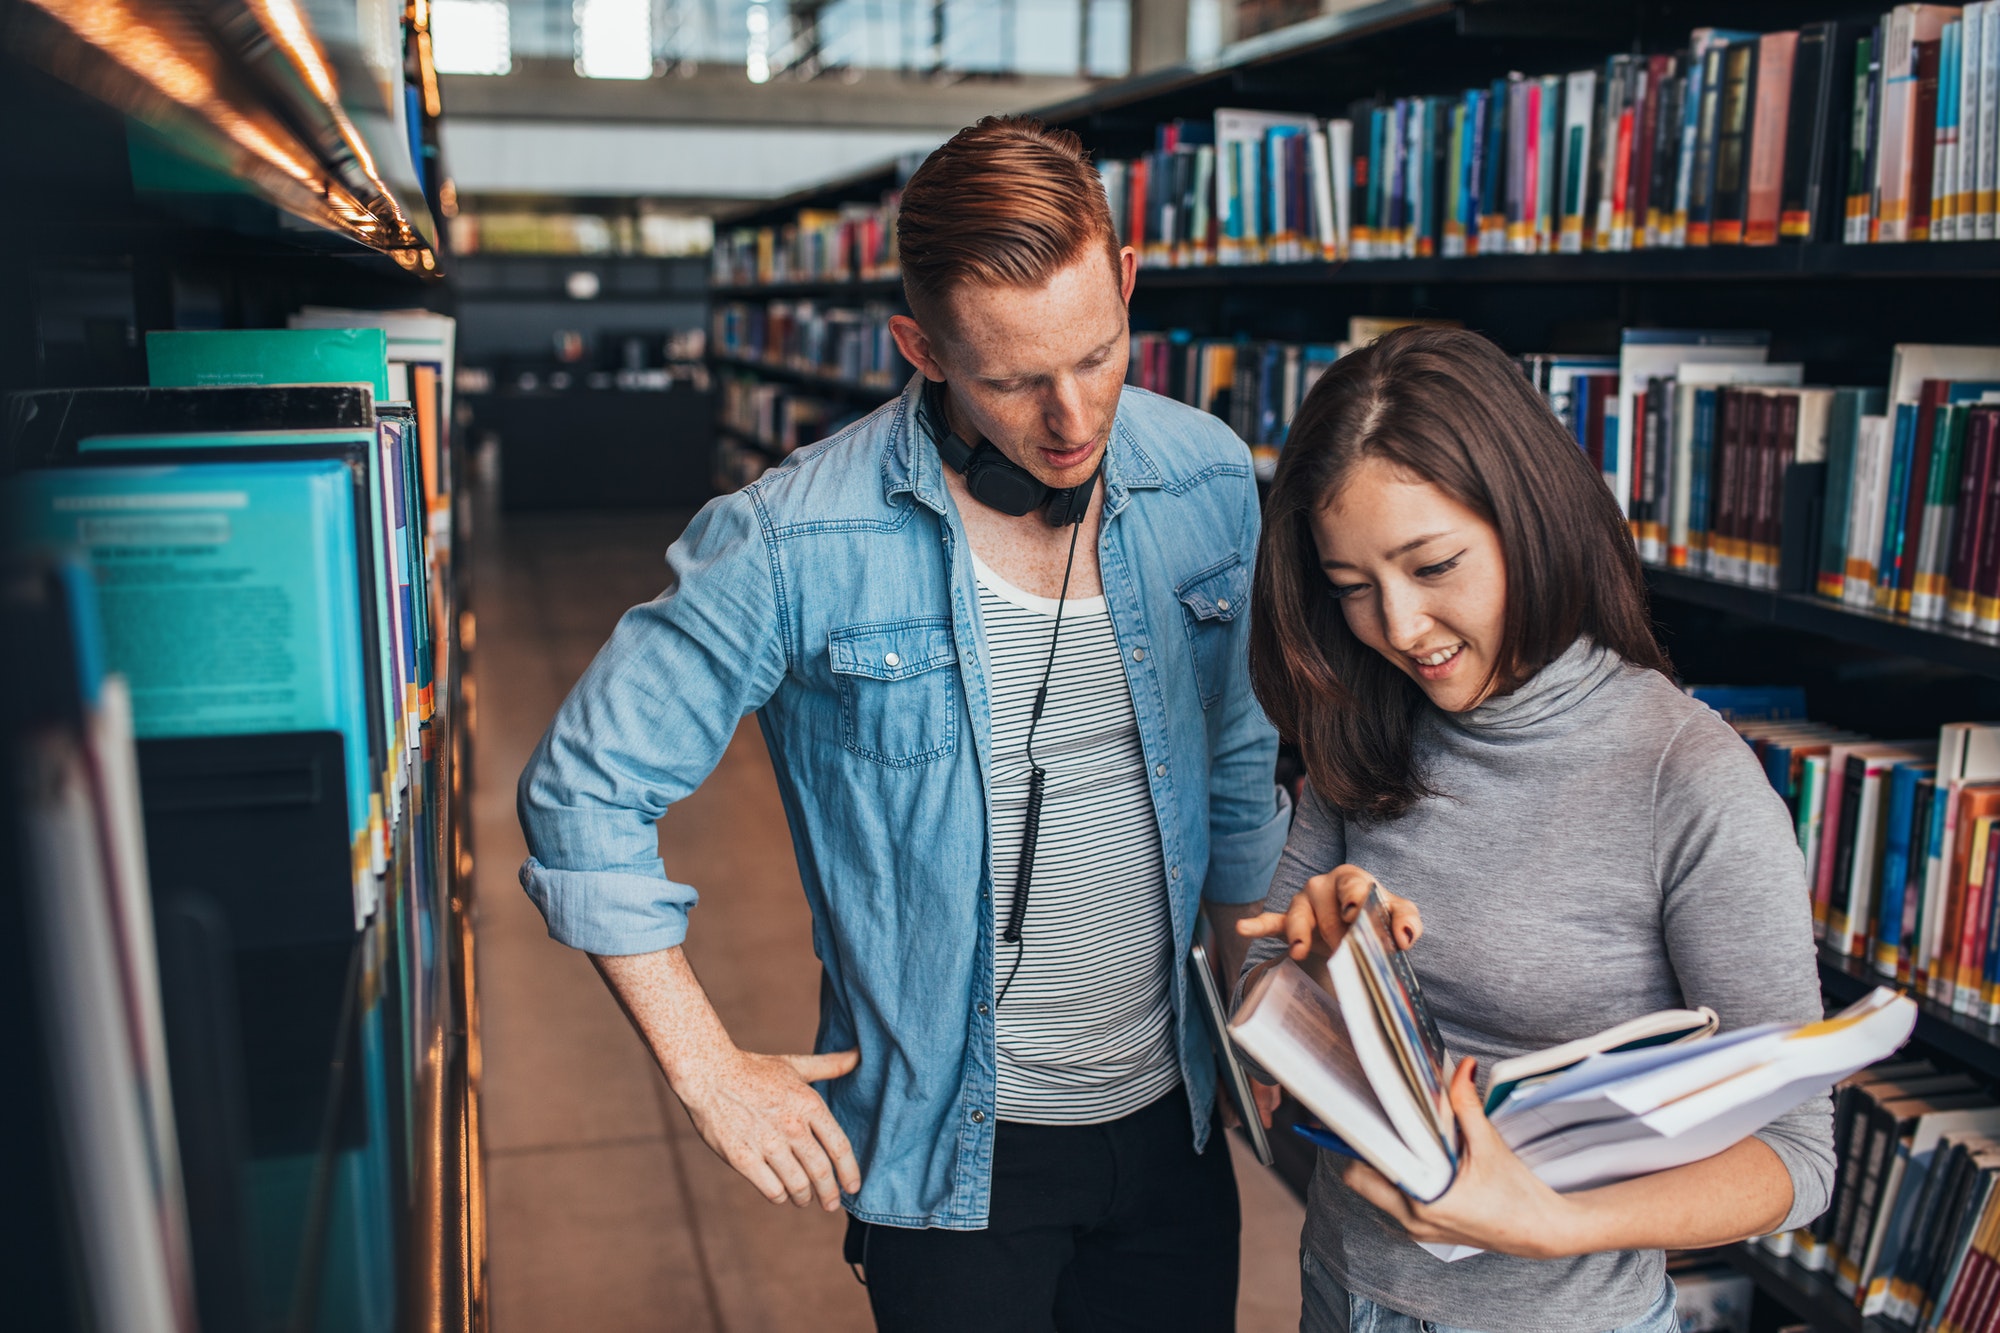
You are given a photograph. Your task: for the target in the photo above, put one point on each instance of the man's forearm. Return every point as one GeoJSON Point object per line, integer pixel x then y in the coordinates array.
{"type": "Point", "coordinates": [667, 1005]}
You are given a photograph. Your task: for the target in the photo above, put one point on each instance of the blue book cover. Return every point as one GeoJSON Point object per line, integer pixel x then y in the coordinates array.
{"type": "Point", "coordinates": [231, 597]}
{"type": "Point", "coordinates": [1902, 451]}
{"type": "Point", "coordinates": [361, 443]}
{"type": "Point", "coordinates": [1897, 841]}
{"type": "Point", "coordinates": [1701, 467]}
{"type": "Point", "coordinates": [1748, 703]}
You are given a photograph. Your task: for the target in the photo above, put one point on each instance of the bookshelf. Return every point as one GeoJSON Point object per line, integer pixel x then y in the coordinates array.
{"type": "Point", "coordinates": [298, 1052]}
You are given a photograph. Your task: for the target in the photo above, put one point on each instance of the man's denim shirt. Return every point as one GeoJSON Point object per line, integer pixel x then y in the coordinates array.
{"type": "Point", "coordinates": [834, 597]}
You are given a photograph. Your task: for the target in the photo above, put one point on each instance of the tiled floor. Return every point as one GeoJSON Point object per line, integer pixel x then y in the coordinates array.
{"type": "Point", "coordinates": [605, 1211]}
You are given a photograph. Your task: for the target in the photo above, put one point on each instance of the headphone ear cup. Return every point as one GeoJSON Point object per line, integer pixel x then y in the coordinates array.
{"type": "Point", "coordinates": [999, 483]}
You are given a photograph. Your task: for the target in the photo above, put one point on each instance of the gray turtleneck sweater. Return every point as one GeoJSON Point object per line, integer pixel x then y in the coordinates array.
{"type": "Point", "coordinates": [1603, 847]}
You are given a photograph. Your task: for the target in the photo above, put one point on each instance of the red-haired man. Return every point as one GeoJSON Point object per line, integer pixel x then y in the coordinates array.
{"type": "Point", "coordinates": [995, 635]}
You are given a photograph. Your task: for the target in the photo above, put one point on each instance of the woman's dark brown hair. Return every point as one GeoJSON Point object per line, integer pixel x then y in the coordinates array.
{"type": "Point", "coordinates": [1447, 407]}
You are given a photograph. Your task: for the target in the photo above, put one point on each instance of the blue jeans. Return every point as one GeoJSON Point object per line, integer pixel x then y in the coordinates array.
{"type": "Point", "coordinates": [1330, 1308]}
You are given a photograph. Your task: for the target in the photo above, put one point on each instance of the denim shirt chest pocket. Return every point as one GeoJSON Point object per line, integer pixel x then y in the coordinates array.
{"type": "Point", "coordinates": [1212, 600]}
{"type": "Point", "coordinates": [898, 701]}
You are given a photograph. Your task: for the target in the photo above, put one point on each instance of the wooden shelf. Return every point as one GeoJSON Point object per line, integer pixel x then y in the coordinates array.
{"type": "Point", "coordinates": [1941, 644]}
{"type": "Point", "coordinates": [869, 393]}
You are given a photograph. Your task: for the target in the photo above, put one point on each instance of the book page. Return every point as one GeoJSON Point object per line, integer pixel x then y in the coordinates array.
{"type": "Point", "coordinates": [1400, 1001]}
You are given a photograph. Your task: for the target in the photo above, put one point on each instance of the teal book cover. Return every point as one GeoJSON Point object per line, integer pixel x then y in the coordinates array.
{"type": "Point", "coordinates": [185, 358]}
{"type": "Point", "coordinates": [376, 575]}
{"type": "Point", "coordinates": [230, 595]}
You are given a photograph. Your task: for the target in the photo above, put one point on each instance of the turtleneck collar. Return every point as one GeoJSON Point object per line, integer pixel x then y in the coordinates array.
{"type": "Point", "coordinates": [1549, 693]}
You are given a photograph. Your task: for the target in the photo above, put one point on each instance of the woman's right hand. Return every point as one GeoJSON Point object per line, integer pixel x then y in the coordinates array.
{"type": "Point", "coordinates": [1317, 920]}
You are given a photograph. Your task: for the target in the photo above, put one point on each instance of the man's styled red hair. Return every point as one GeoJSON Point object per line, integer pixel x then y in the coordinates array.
{"type": "Point", "coordinates": [1006, 203]}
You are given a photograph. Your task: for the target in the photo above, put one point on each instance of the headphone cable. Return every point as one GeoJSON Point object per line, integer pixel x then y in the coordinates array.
{"type": "Point", "coordinates": [1024, 869]}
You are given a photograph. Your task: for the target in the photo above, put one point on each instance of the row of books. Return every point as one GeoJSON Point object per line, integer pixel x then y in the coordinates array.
{"type": "Point", "coordinates": [1897, 841]}
{"type": "Point", "coordinates": [1839, 130]}
{"type": "Point", "coordinates": [1903, 861]}
{"type": "Point", "coordinates": [833, 342]}
{"type": "Point", "coordinates": [1734, 468]}
{"type": "Point", "coordinates": [779, 417]}
{"type": "Point", "coordinates": [854, 241]}
{"type": "Point", "coordinates": [1255, 385]}
{"type": "Point", "coordinates": [268, 529]}
{"type": "Point", "coordinates": [1913, 1233]}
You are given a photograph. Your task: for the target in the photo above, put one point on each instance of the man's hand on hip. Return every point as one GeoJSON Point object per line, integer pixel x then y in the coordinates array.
{"type": "Point", "coordinates": [758, 1112]}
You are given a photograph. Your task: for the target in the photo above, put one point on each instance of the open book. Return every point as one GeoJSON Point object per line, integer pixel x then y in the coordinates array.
{"type": "Point", "coordinates": [1359, 1050]}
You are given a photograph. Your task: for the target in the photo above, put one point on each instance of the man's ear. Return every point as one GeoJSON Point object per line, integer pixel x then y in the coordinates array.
{"type": "Point", "coordinates": [916, 345]}
{"type": "Point", "coordinates": [1128, 272]}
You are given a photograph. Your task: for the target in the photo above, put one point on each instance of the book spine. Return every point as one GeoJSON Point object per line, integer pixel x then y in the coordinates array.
{"type": "Point", "coordinates": [1986, 568]}
{"type": "Point", "coordinates": [1894, 139]}
{"type": "Point", "coordinates": [1931, 582]}
{"type": "Point", "coordinates": [1907, 481]}
{"type": "Point", "coordinates": [1732, 145]}
{"type": "Point", "coordinates": [1839, 933]}
{"type": "Point", "coordinates": [1776, 51]}
{"type": "Point", "coordinates": [1969, 994]}
{"type": "Point", "coordinates": [1925, 60]}
{"type": "Point", "coordinates": [1986, 184]}
{"type": "Point", "coordinates": [1812, 68]}
{"type": "Point", "coordinates": [1855, 228]}
{"type": "Point", "coordinates": [1974, 485]}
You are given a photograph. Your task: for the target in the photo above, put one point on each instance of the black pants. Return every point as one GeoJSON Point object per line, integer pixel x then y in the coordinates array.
{"type": "Point", "coordinates": [1092, 1229]}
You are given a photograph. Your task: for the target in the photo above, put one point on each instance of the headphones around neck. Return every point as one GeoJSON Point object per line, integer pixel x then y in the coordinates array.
{"type": "Point", "coordinates": [994, 479]}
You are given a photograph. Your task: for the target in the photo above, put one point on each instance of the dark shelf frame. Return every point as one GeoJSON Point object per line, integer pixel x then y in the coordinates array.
{"type": "Point", "coordinates": [853, 389]}
{"type": "Point", "coordinates": [845, 289]}
{"type": "Point", "coordinates": [1968, 1041]}
{"type": "Point", "coordinates": [1810, 262]}
{"type": "Point", "coordinates": [1944, 645]}
{"type": "Point", "coordinates": [1812, 1296]}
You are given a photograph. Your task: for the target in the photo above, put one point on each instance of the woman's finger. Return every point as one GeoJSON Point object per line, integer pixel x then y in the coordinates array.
{"type": "Point", "coordinates": [1330, 923]}
{"type": "Point", "coordinates": [1300, 927]}
{"type": "Point", "coordinates": [1261, 926]}
{"type": "Point", "coordinates": [1467, 1106]}
{"type": "Point", "coordinates": [1406, 924]}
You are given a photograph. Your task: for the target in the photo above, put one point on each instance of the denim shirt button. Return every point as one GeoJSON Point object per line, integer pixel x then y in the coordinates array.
{"type": "Point", "coordinates": [979, 1117]}
{"type": "Point", "coordinates": [983, 1007]}
{"type": "Point", "coordinates": [892, 660]}
{"type": "Point", "coordinates": [1159, 770]}
{"type": "Point", "coordinates": [1174, 873]}
{"type": "Point", "coordinates": [1138, 654]}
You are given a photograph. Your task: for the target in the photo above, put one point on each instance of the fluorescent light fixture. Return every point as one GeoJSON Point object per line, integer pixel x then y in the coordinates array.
{"type": "Point", "coordinates": [757, 54]}
{"type": "Point", "coordinates": [614, 38]}
{"type": "Point", "coordinates": [470, 37]}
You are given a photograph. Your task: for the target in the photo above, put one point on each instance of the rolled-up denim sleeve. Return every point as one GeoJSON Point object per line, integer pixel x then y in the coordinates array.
{"type": "Point", "coordinates": [1248, 813]}
{"type": "Point", "coordinates": [644, 727]}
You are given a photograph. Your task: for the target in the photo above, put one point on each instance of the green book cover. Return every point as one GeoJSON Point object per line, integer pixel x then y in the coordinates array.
{"type": "Point", "coordinates": [189, 358]}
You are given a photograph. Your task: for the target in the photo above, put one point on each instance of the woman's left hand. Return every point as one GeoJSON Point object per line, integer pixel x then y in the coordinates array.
{"type": "Point", "coordinates": [1496, 1202]}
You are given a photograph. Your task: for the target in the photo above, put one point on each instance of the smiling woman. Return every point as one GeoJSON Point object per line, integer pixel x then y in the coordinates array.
{"type": "Point", "coordinates": [1448, 621]}
{"type": "Point", "coordinates": [1426, 479]}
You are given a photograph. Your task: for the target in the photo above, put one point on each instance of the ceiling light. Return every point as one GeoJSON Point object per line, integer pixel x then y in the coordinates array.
{"type": "Point", "coordinates": [471, 37]}
{"type": "Point", "coordinates": [614, 39]}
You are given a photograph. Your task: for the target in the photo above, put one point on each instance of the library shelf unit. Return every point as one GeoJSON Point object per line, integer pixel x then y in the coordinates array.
{"type": "Point", "coordinates": [159, 212]}
{"type": "Point", "coordinates": [1839, 309]}
{"type": "Point", "coordinates": [871, 394]}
